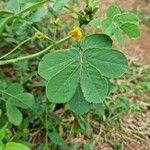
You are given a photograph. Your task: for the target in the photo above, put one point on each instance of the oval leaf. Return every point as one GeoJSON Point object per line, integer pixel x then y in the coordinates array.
{"type": "Point", "coordinates": [14, 115]}
{"type": "Point", "coordinates": [131, 29]}
{"type": "Point", "coordinates": [16, 146]}
{"type": "Point", "coordinates": [113, 10]}
{"type": "Point", "coordinates": [62, 86]}
{"type": "Point", "coordinates": [110, 62]}
{"type": "Point", "coordinates": [58, 5]}
{"type": "Point", "coordinates": [13, 89]}
{"type": "Point", "coordinates": [78, 103]}
{"type": "Point", "coordinates": [23, 100]}
{"type": "Point", "coordinates": [96, 40]}
{"type": "Point", "coordinates": [126, 17]}
{"type": "Point", "coordinates": [94, 87]}
{"type": "Point", "coordinates": [56, 61]}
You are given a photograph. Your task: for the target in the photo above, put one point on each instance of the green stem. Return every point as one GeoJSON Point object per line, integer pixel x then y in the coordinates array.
{"type": "Point", "coordinates": [33, 7]}
{"type": "Point", "coordinates": [11, 61]}
{"type": "Point", "coordinates": [13, 50]}
{"type": "Point", "coordinates": [46, 126]}
{"type": "Point", "coordinates": [3, 99]}
{"type": "Point", "coordinates": [71, 10]}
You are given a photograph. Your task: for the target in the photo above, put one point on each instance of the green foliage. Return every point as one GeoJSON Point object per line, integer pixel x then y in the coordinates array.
{"type": "Point", "coordinates": [86, 64]}
{"type": "Point", "coordinates": [17, 146]}
{"type": "Point", "coordinates": [58, 5]}
{"type": "Point", "coordinates": [13, 113]}
{"type": "Point", "coordinates": [3, 132]}
{"type": "Point", "coordinates": [118, 22]}
{"type": "Point", "coordinates": [15, 96]}
{"type": "Point", "coordinates": [77, 76]}
{"type": "Point", "coordinates": [55, 138]}
{"type": "Point", "coordinates": [78, 103]}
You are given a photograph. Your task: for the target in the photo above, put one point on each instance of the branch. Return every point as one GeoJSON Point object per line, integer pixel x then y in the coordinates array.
{"type": "Point", "coordinates": [11, 61]}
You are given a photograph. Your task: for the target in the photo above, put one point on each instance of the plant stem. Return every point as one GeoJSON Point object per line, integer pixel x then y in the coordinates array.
{"type": "Point", "coordinates": [71, 10]}
{"type": "Point", "coordinates": [13, 50]}
{"type": "Point", "coordinates": [11, 61]}
{"type": "Point", "coordinates": [33, 7]}
{"type": "Point", "coordinates": [3, 99]}
{"type": "Point", "coordinates": [46, 126]}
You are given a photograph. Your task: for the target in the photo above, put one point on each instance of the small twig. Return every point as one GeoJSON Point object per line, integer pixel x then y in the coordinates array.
{"type": "Point", "coordinates": [11, 61]}
{"type": "Point", "coordinates": [13, 50]}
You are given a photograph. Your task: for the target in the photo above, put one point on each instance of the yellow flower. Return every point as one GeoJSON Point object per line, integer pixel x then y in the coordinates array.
{"type": "Point", "coordinates": [77, 33]}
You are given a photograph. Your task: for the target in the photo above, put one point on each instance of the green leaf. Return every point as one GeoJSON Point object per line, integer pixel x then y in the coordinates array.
{"type": "Point", "coordinates": [62, 86]}
{"type": "Point", "coordinates": [3, 132]}
{"type": "Point", "coordinates": [3, 84]}
{"type": "Point", "coordinates": [16, 146]}
{"type": "Point", "coordinates": [1, 145]}
{"type": "Point", "coordinates": [126, 17]}
{"type": "Point", "coordinates": [57, 139]}
{"type": "Point", "coordinates": [109, 61]}
{"type": "Point", "coordinates": [108, 26]}
{"type": "Point", "coordinates": [23, 100]}
{"type": "Point", "coordinates": [38, 15]}
{"type": "Point", "coordinates": [14, 5]}
{"type": "Point", "coordinates": [117, 19]}
{"type": "Point", "coordinates": [96, 40]}
{"type": "Point", "coordinates": [113, 10]}
{"type": "Point", "coordinates": [55, 62]}
{"type": "Point", "coordinates": [119, 37]}
{"type": "Point", "coordinates": [32, 7]}
{"type": "Point", "coordinates": [21, 27]}
{"type": "Point", "coordinates": [86, 64]}
{"type": "Point", "coordinates": [94, 86]}
{"type": "Point", "coordinates": [58, 5]}
{"type": "Point", "coordinates": [96, 22]}
{"type": "Point", "coordinates": [14, 89]}
{"type": "Point", "coordinates": [14, 115]}
{"type": "Point", "coordinates": [78, 103]}
{"type": "Point", "coordinates": [131, 29]}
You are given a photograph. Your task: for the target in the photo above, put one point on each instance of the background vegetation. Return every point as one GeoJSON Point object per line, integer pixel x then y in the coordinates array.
{"type": "Point", "coordinates": [124, 121]}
